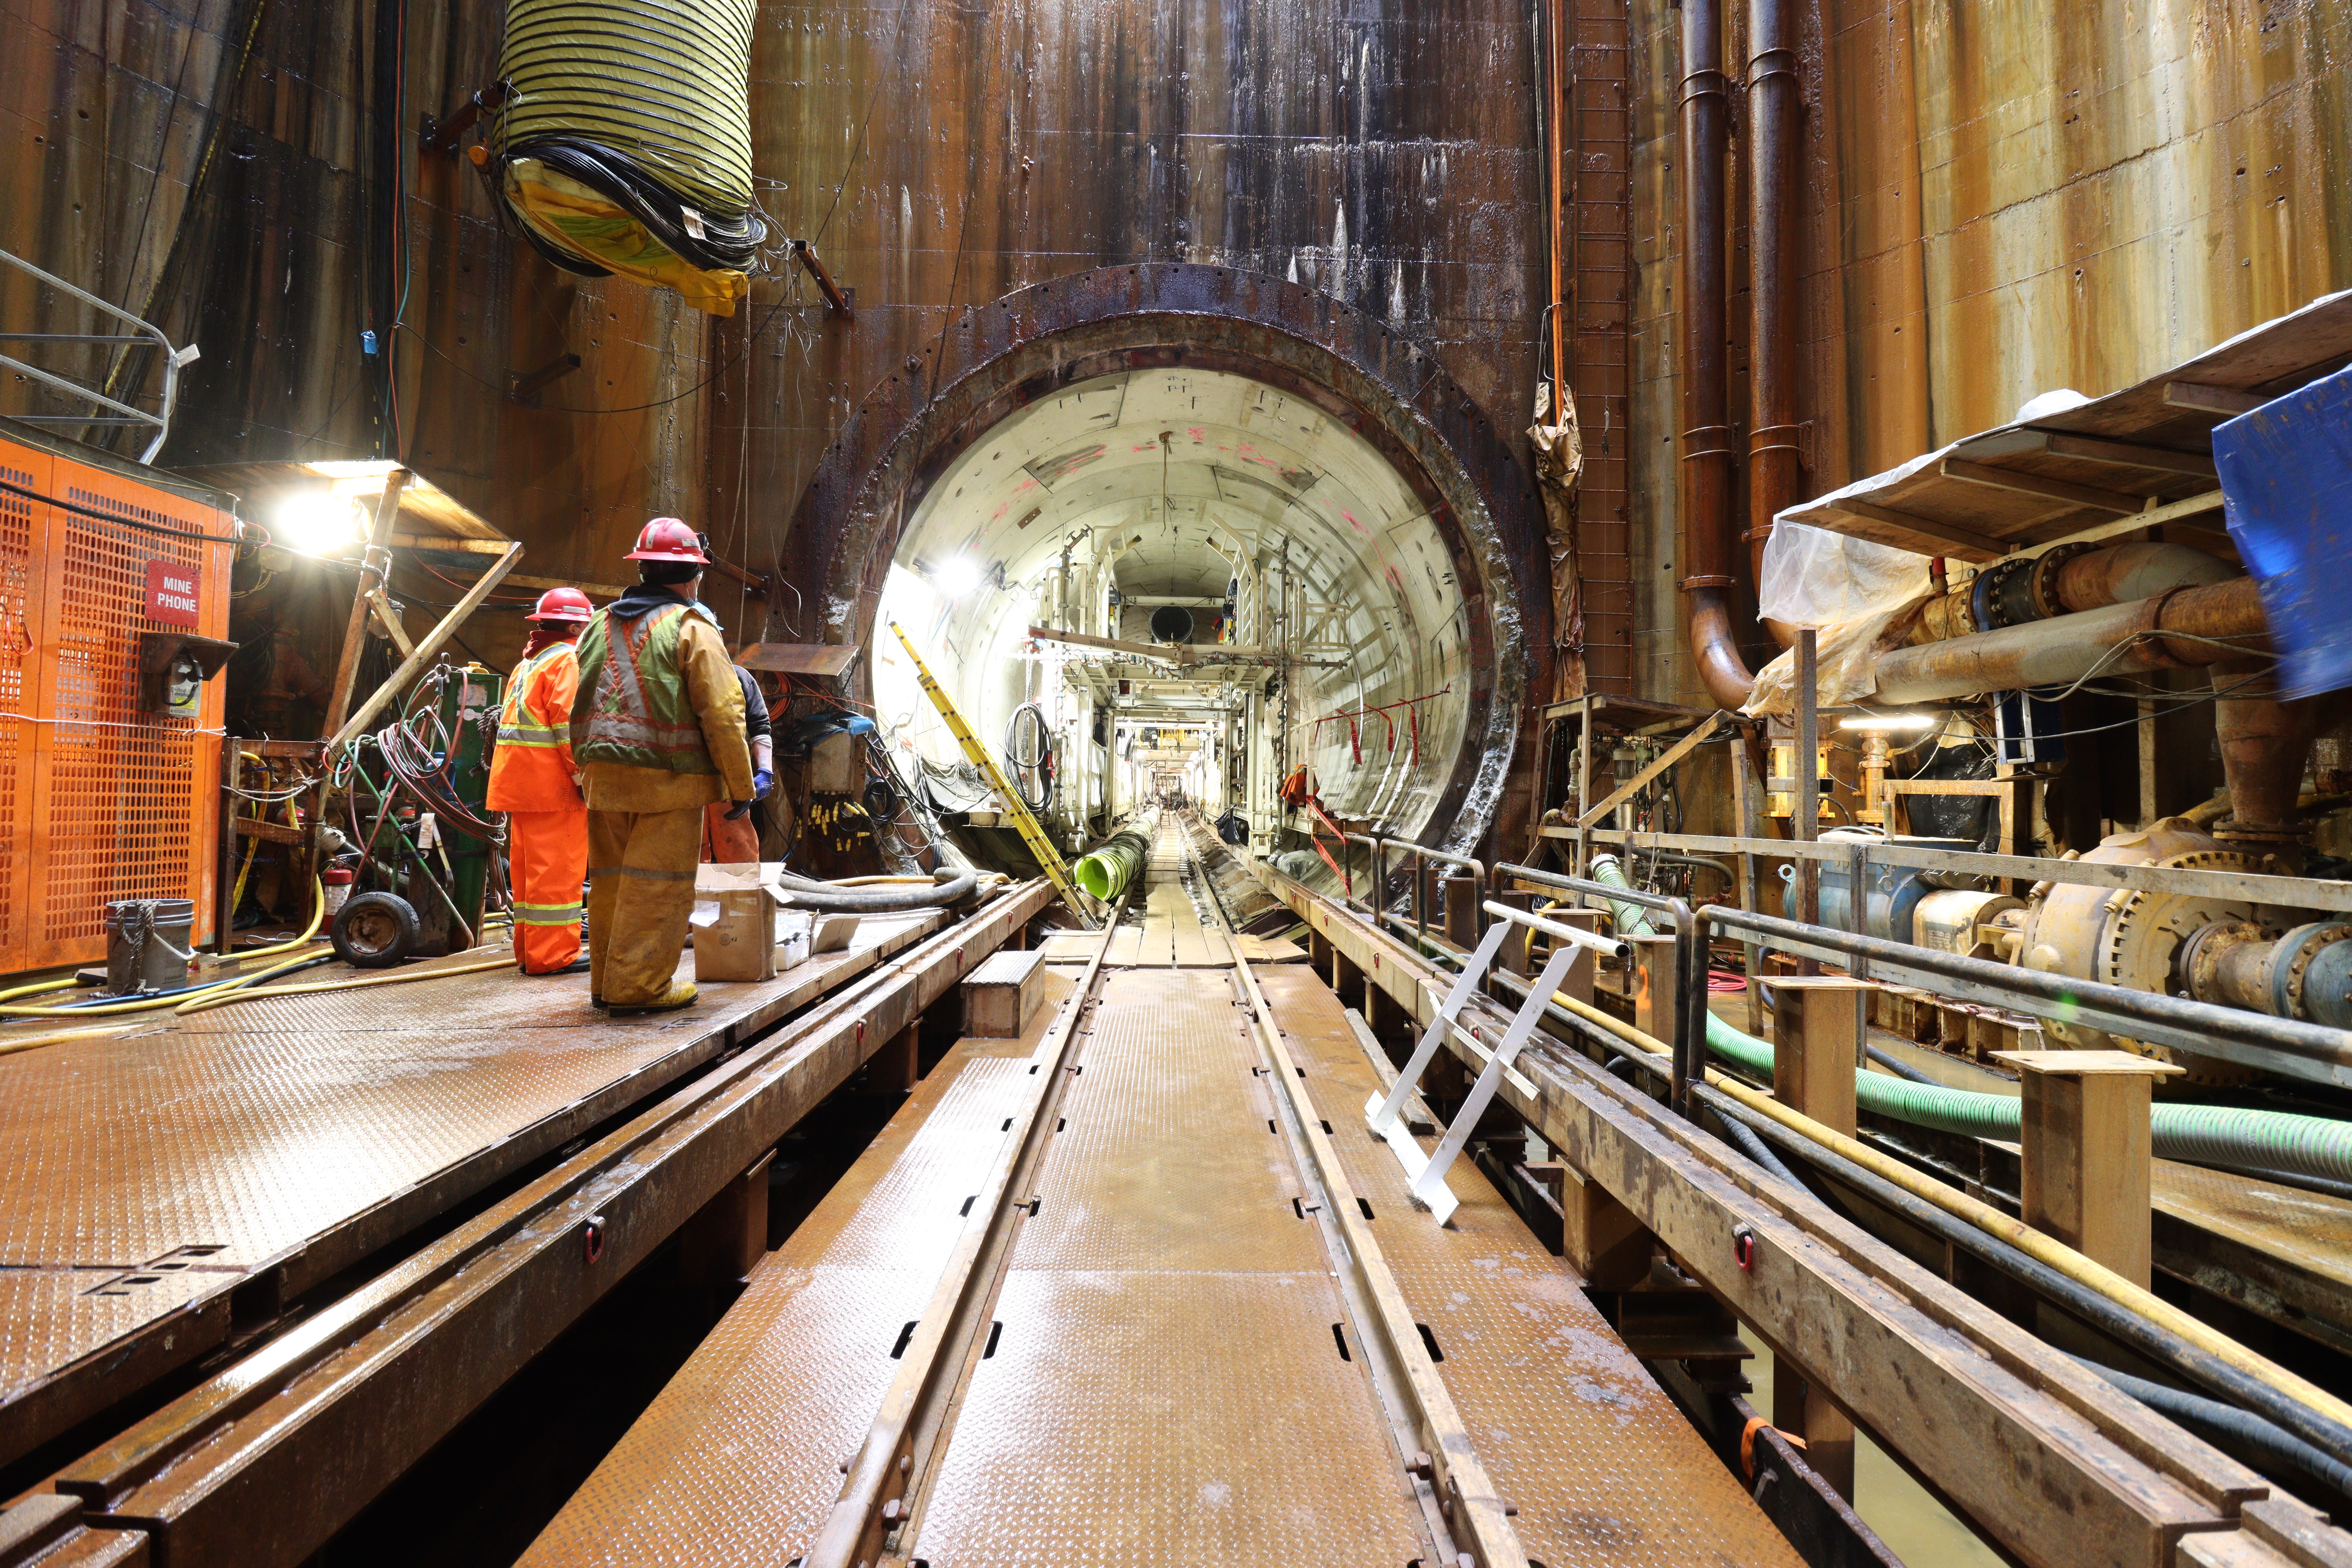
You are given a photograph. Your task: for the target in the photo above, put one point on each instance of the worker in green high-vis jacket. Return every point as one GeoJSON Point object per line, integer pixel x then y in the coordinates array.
{"type": "Point", "coordinates": [657, 730]}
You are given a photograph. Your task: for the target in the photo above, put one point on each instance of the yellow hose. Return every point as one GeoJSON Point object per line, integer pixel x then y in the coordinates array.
{"type": "Point", "coordinates": [57, 1037]}
{"type": "Point", "coordinates": [227, 999]}
{"type": "Point", "coordinates": [2043, 1248]}
{"type": "Point", "coordinates": [148, 1005]}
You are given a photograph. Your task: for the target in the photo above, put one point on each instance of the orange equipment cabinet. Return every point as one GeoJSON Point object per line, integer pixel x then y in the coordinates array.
{"type": "Point", "coordinates": [101, 799]}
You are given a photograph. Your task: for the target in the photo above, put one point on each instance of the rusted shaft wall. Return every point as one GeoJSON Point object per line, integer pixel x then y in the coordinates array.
{"type": "Point", "coordinates": [941, 156]}
{"type": "Point", "coordinates": [217, 163]}
{"type": "Point", "coordinates": [944, 157]}
{"type": "Point", "coordinates": [1995, 200]}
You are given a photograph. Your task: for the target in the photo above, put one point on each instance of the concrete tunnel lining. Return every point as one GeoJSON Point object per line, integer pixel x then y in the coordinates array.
{"type": "Point", "coordinates": [1439, 591]}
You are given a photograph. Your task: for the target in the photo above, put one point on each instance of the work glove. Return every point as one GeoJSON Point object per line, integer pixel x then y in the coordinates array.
{"type": "Point", "coordinates": [738, 810]}
{"type": "Point", "coordinates": [762, 780]}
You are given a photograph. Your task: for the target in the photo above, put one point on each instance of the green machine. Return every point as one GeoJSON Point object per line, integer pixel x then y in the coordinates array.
{"type": "Point", "coordinates": [418, 788]}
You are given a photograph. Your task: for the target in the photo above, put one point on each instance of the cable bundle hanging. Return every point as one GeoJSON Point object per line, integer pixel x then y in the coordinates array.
{"type": "Point", "coordinates": [625, 145]}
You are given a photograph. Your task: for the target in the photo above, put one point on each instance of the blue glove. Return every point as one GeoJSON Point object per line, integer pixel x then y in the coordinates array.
{"type": "Point", "coordinates": [762, 780]}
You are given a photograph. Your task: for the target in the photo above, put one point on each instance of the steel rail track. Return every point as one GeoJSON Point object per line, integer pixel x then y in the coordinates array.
{"type": "Point", "coordinates": [1442, 1459]}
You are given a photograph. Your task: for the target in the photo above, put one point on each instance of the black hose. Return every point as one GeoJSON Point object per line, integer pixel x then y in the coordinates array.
{"type": "Point", "coordinates": [1896, 1065]}
{"type": "Point", "coordinates": [1744, 1137]}
{"type": "Point", "coordinates": [823, 897]}
{"type": "Point", "coordinates": [2158, 1343]}
{"type": "Point", "coordinates": [2249, 1437]}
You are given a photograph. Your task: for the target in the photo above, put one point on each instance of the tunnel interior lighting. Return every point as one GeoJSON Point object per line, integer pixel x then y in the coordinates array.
{"type": "Point", "coordinates": [316, 522]}
{"type": "Point", "coordinates": [956, 576]}
{"type": "Point", "coordinates": [1888, 723]}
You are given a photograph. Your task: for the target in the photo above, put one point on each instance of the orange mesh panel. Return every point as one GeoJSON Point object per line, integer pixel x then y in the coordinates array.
{"type": "Point", "coordinates": [121, 803]}
{"type": "Point", "coordinates": [16, 728]}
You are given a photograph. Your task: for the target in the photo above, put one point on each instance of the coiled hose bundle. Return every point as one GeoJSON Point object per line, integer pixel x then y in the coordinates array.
{"type": "Point", "coordinates": [626, 144]}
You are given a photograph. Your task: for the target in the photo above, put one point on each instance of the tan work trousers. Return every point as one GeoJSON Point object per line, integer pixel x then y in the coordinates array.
{"type": "Point", "coordinates": [640, 897]}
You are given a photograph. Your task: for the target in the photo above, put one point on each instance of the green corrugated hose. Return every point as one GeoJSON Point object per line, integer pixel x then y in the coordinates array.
{"type": "Point", "coordinates": [1107, 871]}
{"type": "Point", "coordinates": [2253, 1141]}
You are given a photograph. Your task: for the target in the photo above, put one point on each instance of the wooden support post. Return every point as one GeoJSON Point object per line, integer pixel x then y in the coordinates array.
{"type": "Point", "coordinates": [1745, 806]}
{"type": "Point", "coordinates": [225, 867]}
{"type": "Point", "coordinates": [1818, 1024]}
{"type": "Point", "coordinates": [728, 1235]}
{"type": "Point", "coordinates": [374, 567]}
{"type": "Point", "coordinates": [1384, 1016]}
{"type": "Point", "coordinates": [1462, 895]}
{"type": "Point", "coordinates": [1653, 989]}
{"type": "Point", "coordinates": [896, 1067]}
{"type": "Point", "coordinates": [2085, 1158]}
{"type": "Point", "coordinates": [1586, 965]}
{"type": "Point", "coordinates": [1347, 979]}
{"type": "Point", "coordinates": [1599, 1236]}
{"type": "Point", "coordinates": [1319, 949]}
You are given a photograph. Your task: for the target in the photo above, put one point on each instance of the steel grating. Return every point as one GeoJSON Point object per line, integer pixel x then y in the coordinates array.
{"type": "Point", "coordinates": [738, 1460]}
{"type": "Point", "coordinates": [298, 1136]}
{"type": "Point", "coordinates": [1166, 1386]}
{"type": "Point", "coordinates": [1574, 1432]}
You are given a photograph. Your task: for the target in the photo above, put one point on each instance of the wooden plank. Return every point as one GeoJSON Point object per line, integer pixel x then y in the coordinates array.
{"type": "Point", "coordinates": [1666, 759]}
{"type": "Point", "coordinates": [1907, 530]}
{"type": "Point", "coordinates": [799, 659]}
{"type": "Point", "coordinates": [2035, 485]}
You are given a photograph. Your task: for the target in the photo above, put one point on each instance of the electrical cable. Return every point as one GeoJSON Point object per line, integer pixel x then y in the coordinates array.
{"type": "Point", "coordinates": [318, 916]}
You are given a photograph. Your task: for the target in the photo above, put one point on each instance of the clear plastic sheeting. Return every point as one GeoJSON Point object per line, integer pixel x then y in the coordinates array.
{"type": "Point", "coordinates": [1812, 577]}
{"type": "Point", "coordinates": [1858, 596]}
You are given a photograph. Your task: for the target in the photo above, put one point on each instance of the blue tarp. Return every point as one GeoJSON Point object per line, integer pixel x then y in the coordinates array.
{"type": "Point", "coordinates": [2286, 483]}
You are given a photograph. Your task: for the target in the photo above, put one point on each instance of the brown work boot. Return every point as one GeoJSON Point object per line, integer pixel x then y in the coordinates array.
{"type": "Point", "coordinates": [679, 995]}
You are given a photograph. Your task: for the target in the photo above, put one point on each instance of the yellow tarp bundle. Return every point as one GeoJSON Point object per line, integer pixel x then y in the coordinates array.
{"type": "Point", "coordinates": [658, 90]}
{"type": "Point", "coordinates": [569, 214]}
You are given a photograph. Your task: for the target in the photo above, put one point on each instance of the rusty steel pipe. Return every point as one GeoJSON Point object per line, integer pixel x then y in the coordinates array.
{"type": "Point", "coordinates": [2264, 744]}
{"type": "Point", "coordinates": [1776, 472]}
{"type": "Point", "coordinates": [2167, 631]}
{"type": "Point", "coordinates": [2096, 578]}
{"type": "Point", "coordinates": [1706, 468]}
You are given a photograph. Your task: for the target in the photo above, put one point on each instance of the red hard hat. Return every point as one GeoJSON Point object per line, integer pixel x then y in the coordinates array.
{"type": "Point", "coordinates": [668, 539]}
{"type": "Point", "coordinates": [562, 605]}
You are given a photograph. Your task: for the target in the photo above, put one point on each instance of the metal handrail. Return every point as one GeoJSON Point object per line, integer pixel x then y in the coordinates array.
{"type": "Point", "coordinates": [1688, 980]}
{"type": "Point", "coordinates": [121, 413]}
{"type": "Point", "coordinates": [2310, 1051]}
{"type": "Point", "coordinates": [2261, 888]}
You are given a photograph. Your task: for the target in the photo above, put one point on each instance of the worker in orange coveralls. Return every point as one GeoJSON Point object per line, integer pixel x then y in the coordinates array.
{"type": "Point", "coordinates": [535, 781]}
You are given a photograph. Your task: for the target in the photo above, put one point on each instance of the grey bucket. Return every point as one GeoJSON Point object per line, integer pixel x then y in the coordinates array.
{"type": "Point", "coordinates": [147, 943]}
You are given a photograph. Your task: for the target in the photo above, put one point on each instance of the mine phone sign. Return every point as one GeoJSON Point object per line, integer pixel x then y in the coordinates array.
{"type": "Point", "coordinates": [172, 588]}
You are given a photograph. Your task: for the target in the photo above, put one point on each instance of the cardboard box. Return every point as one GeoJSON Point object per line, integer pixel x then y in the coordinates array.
{"type": "Point", "coordinates": [734, 924]}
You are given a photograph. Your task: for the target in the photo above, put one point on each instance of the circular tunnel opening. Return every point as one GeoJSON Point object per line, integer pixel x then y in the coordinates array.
{"type": "Point", "coordinates": [1193, 550]}
{"type": "Point", "coordinates": [1197, 581]}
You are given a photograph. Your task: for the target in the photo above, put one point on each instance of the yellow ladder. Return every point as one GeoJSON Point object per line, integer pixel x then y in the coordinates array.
{"type": "Point", "coordinates": [1031, 832]}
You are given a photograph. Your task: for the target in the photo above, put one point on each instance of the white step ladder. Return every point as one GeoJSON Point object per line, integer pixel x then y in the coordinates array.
{"type": "Point", "coordinates": [1427, 1172]}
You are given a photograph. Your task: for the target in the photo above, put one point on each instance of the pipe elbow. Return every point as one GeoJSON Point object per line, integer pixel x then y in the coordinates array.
{"type": "Point", "coordinates": [1723, 673]}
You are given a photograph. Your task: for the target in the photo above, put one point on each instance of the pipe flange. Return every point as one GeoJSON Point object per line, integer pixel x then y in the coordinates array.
{"type": "Point", "coordinates": [2196, 965]}
{"type": "Point", "coordinates": [2141, 941]}
{"type": "Point", "coordinates": [2002, 595]}
{"type": "Point", "coordinates": [2291, 961]}
{"type": "Point", "coordinates": [2044, 588]}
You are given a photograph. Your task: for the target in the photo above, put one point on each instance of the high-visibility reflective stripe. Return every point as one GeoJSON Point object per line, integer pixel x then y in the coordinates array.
{"type": "Point", "coordinates": [547, 914]}
{"type": "Point", "coordinates": [643, 873]}
{"type": "Point", "coordinates": [533, 735]}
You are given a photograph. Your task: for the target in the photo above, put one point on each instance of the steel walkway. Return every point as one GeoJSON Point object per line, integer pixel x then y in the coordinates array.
{"type": "Point", "coordinates": [163, 1189]}
{"type": "Point", "coordinates": [1174, 1367]}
